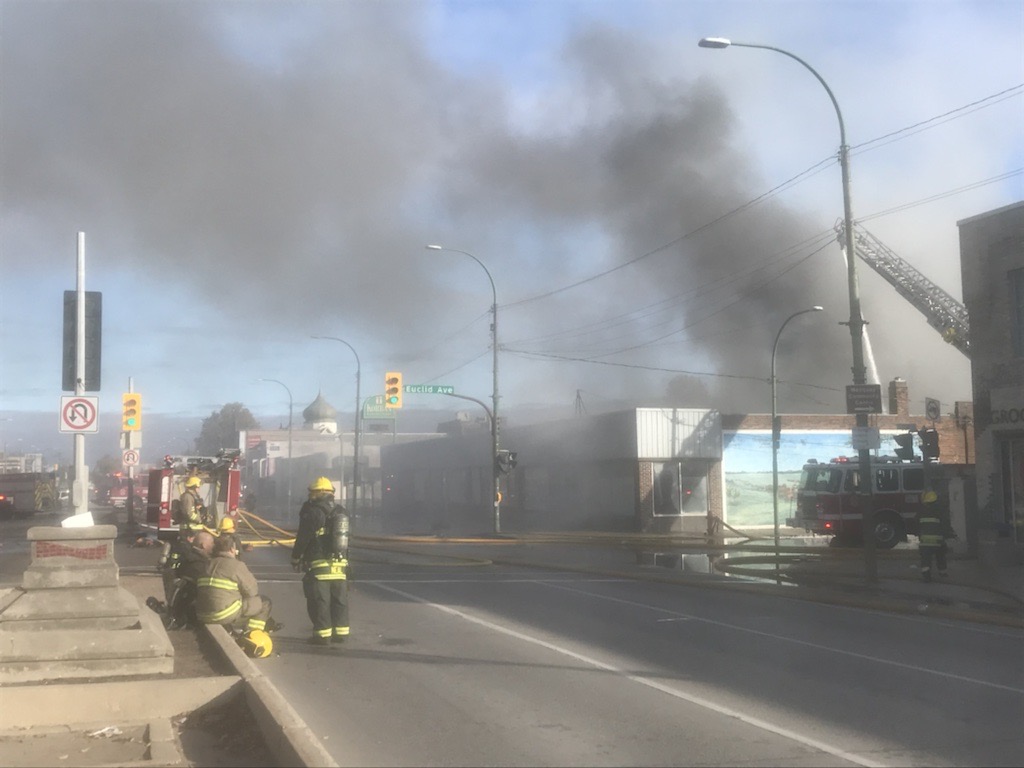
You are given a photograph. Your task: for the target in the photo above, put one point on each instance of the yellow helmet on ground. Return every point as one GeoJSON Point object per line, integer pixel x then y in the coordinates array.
{"type": "Point", "coordinates": [256, 643]}
{"type": "Point", "coordinates": [321, 484]}
{"type": "Point", "coordinates": [226, 525]}
{"type": "Point", "coordinates": [193, 482]}
{"type": "Point", "coordinates": [929, 496]}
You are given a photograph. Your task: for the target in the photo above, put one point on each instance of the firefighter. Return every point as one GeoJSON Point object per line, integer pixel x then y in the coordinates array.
{"type": "Point", "coordinates": [229, 595]}
{"type": "Point", "coordinates": [193, 511]}
{"type": "Point", "coordinates": [226, 527]}
{"type": "Point", "coordinates": [933, 529]}
{"type": "Point", "coordinates": [321, 550]}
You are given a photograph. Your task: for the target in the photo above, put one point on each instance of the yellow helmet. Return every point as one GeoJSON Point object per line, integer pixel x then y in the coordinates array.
{"type": "Point", "coordinates": [928, 497]}
{"type": "Point", "coordinates": [321, 484]}
{"type": "Point", "coordinates": [193, 482]}
{"type": "Point", "coordinates": [256, 643]}
{"type": "Point", "coordinates": [226, 525]}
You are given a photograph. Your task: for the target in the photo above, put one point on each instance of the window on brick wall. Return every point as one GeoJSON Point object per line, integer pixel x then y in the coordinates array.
{"type": "Point", "coordinates": [1017, 310]}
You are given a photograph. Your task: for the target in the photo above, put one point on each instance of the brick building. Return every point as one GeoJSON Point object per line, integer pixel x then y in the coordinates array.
{"type": "Point", "coordinates": [992, 273]}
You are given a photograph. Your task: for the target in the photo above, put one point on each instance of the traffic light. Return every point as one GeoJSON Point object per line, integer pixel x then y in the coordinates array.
{"type": "Point", "coordinates": [131, 412]}
{"type": "Point", "coordinates": [392, 389]}
{"type": "Point", "coordinates": [906, 446]}
{"type": "Point", "coordinates": [929, 443]}
{"type": "Point", "coordinates": [506, 461]}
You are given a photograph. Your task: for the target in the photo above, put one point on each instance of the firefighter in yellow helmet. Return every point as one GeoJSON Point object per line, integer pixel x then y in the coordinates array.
{"type": "Point", "coordinates": [193, 511]}
{"type": "Point", "coordinates": [321, 550]}
{"type": "Point", "coordinates": [933, 528]}
{"type": "Point", "coordinates": [228, 593]}
{"type": "Point", "coordinates": [227, 528]}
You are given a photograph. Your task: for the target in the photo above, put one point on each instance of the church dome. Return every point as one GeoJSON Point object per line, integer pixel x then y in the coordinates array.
{"type": "Point", "coordinates": [319, 411]}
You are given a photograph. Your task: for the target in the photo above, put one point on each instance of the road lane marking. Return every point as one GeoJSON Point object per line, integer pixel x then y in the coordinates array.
{"type": "Point", "coordinates": [755, 722]}
{"type": "Point", "coordinates": [782, 638]}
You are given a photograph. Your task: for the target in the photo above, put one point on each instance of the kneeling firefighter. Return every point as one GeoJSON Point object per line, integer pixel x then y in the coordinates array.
{"type": "Point", "coordinates": [228, 594]}
{"type": "Point", "coordinates": [321, 549]}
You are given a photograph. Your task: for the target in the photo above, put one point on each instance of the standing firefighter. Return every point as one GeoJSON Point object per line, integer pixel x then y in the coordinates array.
{"type": "Point", "coordinates": [933, 528]}
{"type": "Point", "coordinates": [193, 511]}
{"type": "Point", "coordinates": [321, 549]}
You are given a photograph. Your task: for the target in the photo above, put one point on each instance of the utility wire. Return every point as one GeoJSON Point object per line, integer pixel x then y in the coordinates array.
{"type": "Point", "coordinates": [916, 128]}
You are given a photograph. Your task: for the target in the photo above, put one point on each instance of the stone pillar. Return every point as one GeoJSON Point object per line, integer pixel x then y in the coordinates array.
{"type": "Point", "coordinates": [71, 619]}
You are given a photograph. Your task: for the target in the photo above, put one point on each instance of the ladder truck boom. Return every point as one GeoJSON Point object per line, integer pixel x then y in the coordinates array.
{"type": "Point", "coordinates": [943, 313]}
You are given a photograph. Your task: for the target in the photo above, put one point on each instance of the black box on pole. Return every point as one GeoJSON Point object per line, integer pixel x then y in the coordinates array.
{"type": "Point", "coordinates": [93, 340]}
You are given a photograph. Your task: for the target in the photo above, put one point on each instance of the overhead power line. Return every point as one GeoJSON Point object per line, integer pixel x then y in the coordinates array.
{"type": "Point", "coordinates": [909, 130]}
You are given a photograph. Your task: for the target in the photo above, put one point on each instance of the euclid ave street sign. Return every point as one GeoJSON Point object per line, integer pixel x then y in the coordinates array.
{"type": "Point", "coordinates": [428, 389]}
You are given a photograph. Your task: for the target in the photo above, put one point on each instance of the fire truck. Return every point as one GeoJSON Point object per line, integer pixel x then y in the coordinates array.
{"type": "Point", "coordinates": [829, 500]}
{"type": "Point", "coordinates": [24, 493]}
{"type": "Point", "coordinates": [118, 493]}
{"type": "Point", "coordinates": [220, 490]}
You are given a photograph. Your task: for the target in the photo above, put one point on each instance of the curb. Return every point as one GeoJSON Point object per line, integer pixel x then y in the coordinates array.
{"type": "Point", "coordinates": [286, 734]}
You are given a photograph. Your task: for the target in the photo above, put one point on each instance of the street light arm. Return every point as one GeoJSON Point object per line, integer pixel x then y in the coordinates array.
{"type": "Point", "coordinates": [494, 292]}
{"type": "Point", "coordinates": [813, 71]}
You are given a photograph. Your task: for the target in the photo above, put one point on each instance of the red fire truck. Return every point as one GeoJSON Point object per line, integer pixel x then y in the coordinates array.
{"type": "Point", "coordinates": [829, 501]}
{"type": "Point", "coordinates": [118, 493]}
{"type": "Point", "coordinates": [220, 490]}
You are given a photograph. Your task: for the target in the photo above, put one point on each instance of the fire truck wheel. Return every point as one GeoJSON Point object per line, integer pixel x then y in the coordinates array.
{"type": "Point", "coordinates": [888, 530]}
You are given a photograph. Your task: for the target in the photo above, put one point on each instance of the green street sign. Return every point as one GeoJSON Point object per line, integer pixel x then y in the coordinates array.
{"type": "Point", "coordinates": [374, 408]}
{"type": "Point", "coordinates": [428, 389]}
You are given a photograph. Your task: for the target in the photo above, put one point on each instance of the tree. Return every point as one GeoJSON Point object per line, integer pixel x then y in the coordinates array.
{"type": "Point", "coordinates": [220, 429]}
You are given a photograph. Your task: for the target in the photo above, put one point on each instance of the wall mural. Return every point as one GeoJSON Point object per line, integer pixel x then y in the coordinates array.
{"type": "Point", "coordinates": [747, 466]}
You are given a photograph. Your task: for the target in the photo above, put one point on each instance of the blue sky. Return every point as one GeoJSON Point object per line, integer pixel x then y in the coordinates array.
{"type": "Point", "coordinates": [249, 174]}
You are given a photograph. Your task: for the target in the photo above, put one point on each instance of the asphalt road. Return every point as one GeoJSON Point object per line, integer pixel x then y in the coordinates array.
{"type": "Point", "coordinates": [485, 665]}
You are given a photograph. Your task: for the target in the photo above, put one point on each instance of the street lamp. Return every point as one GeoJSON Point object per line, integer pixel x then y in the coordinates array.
{"type": "Point", "coordinates": [494, 394]}
{"type": "Point", "coordinates": [290, 402]}
{"type": "Point", "coordinates": [856, 322]}
{"type": "Point", "coordinates": [356, 486]}
{"type": "Point", "coordinates": [777, 433]}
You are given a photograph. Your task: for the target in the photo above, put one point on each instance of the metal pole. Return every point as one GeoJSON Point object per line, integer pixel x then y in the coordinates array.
{"type": "Point", "coordinates": [495, 429]}
{"type": "Point", "coordinates": [356, 477]}
{"type": "Point", "coordinates": [290, 408]}
{"type": "Point", "coordinates": [776, 435]}
{"type": "Point", "coordinates": [856, 322]}
{"type": "Point", "coordinates": [80, 490]}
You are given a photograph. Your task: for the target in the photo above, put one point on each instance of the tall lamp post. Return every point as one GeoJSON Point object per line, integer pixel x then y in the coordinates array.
{"type": "Point", "coordinates": [290, 404]}
{"type": "Point", "coordinates": [856, 321]}
{"type": "Point", "coordinates": [356, 485]}
{"type": "Point", "coordinates": [495, 471]}
{"type": "Point", "coordinates": [777, 432]}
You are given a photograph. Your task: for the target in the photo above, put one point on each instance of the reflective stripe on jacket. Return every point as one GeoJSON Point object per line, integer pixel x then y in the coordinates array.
{"type": "Point", "coordinates": [930, 531]}
{"type": "Point", "coordinates": [221, 591]}
{"type": "Point", "coordinates": [329, 570]}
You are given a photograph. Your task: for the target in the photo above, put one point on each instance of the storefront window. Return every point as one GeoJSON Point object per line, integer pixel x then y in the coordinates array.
{"type": "Point", "coordinates": [677, 491]}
